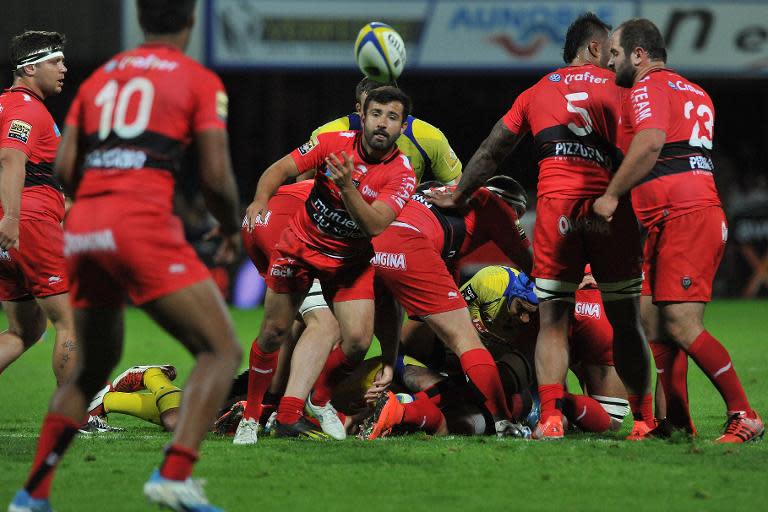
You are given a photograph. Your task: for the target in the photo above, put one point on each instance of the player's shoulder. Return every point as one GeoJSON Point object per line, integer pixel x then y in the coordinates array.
{"type": "Point", "coordinates": [422, 130]}
{"type": "Point", "coordinates": [673, 82]}
{"type": "Point", "coordinates": [489, 282]}
{"type": "Point", "coordinates": [337, 125]}
{"type": "Point", "coordinates": [24, 104]}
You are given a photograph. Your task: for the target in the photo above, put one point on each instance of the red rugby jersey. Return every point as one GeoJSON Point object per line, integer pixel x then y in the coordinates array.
{"type": "Point", "coordinates": [682, 179]}
{"type": "Point", "coordinates": [325, 223]}
{"type": "Point", "coordinates": [137, 114]}
{"type": "Point", "coordinates": [27, 126]}
{"type": "Point", "coordinates": [573, 114]}
{"type": "Point", "coordinates": [455, 235]}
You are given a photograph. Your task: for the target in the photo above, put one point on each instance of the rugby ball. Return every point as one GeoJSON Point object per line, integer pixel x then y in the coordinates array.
{"type": "Point", "coordinates": [380, 52]}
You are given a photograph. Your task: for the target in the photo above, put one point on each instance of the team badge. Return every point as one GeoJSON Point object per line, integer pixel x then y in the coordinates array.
{"type": "Point", "coordinates": [686, 282]}
{"type": "Point", "coordinates": [555, 77]}
{"type": "Point", "coordinates": [19, 130]}
{"type": "Point", "coordinates": [672, 85]}
{"type": "Point", "coordinates": [307, 146]}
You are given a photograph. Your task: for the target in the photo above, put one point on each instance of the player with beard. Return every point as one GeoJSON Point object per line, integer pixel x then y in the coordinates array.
{"type": "Point", "coordinates": [33, 280]}
{"type": "Point", "coordinates": [668, 168]}
{"type": "Point", "coordinates": [363, 183]}
{"type": "Point", "coordinates": [573, 114]}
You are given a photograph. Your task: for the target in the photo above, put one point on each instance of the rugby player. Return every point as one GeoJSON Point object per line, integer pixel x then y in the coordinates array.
{"type": "Point", "coordinates": [668, 167]}
{"type": "Point", "coordinates": [573, 114]}
{"type": "Point", "coordinates": [362, 185]}
{"type": "Point", "coordinates": [129, 124]}
{"type": "Point", "coordinates": [33, 278]}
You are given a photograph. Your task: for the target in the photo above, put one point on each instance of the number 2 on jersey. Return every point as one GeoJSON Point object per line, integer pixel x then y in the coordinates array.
{"type": "Point", "coordinates": [579, 130]}
{"type": "Point", "coordinates": [704, 113]}
{"type": "Point", "coordinates": [114, 100]}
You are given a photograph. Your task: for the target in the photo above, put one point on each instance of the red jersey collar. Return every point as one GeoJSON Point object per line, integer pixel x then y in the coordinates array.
{"type": "Point", "coordinates": [21, 88]}
{"type": "Point", "coordinates": [651, 70]}
{"type": "Point", "coordinates": [365, 157]}
{"type": "Point", "coordinates": [158, 44]}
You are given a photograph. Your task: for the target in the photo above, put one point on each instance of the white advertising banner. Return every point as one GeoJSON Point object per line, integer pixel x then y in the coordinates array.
{"type": "Point", "coordinates": [705, 36]}
{"type": "Point", "coordinates": [301, 33]}
{"type": "Point", "coordinates": [504, 35]}
{"type": "Point", "coordinates": [713, 37]}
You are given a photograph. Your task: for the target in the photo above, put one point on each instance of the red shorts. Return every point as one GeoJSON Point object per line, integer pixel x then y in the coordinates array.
{"type": "Point", "coordinates": [682, 254]}
{"type": "Point", "coordinates": [294, 265]}
{"type": "Point", "coordinates": [260, 242]}
{"type": "Point", "coordinates": [111, 250]}
{"type": "Point", "coordinates": [37, 268]}
{"type": "Point", "coordinates": [409, 266]}
{"type": "Point", "coordinates": [591, 334]}
{"type": "Point", "coordinates": [567, 236]}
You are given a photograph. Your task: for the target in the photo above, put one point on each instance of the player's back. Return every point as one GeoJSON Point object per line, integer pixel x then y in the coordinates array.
{"type": "Point", "coordinates": [573, 113]}
{"type": "Point", "coordinates": [682, 179]}
{"type": "Point", "coordinates": [137, 114]}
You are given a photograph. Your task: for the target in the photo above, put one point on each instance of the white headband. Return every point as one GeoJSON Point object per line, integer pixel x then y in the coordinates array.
{"type": "Point", "coordinates": [50, 53]}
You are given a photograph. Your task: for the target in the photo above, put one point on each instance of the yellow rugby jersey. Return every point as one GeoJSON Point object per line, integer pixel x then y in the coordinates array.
{"type": "Point", "coordinates": [487, 303]}
{"type": "Point", "coordinates": [425, 146]}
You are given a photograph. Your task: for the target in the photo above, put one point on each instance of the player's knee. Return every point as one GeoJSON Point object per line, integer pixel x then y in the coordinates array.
{"type": "Point", "coordinates": [31, 331]}
{"type": "Point", "coordinates": [682, 330]}
{"type": "Point", "coordinates": [323, 321]}
{"type": "Point", "coordinates": [356, 341]}
{"type": "Point", "coordinates": [273, 336]}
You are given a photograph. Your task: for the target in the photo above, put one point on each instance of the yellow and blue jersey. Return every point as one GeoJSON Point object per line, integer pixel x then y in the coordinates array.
{"type": "Point", "coordinates": [425, 146]}
{"type": "Point", "coordinates": [487, 298]}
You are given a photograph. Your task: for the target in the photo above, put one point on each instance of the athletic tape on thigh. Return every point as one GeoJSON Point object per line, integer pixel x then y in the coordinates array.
{"type": "Point", "coordinates": [551, 289]}
{"type": "Point", "coordinates": [616, 408]}
{"type": "Point", "coordinates": [313, 300]}
{"type": "Point", "coordinates": [620, 290]}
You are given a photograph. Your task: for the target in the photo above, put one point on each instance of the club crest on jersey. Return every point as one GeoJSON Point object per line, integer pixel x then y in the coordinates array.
{"type": "Point", "coordinates": [307, 146]}
{"type": "Point", "coordinates": [555, 77]}
{"type": "Point", "coordinates": [19, 130]}
{"type": "Point", "coordinates": [686, 282]}
{"type": "Point", "coordinates": [222, 105]}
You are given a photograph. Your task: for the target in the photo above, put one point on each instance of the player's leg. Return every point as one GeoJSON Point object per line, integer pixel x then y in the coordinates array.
{"type": "Point", "coordinates": [100, 330]}
{"type": "Point", "coordinates": [457, 332]}
{"type": "Point", "coordinates": [276, 328]}
{"type": "Point", "coordinates": [26, 324]}
{"type": "Point", "coordinates": [552, 357]}
{"type": "Point", "coordinates": [197, 317]}
{"type": "Point", "coordinates": [59, 312]}
{"type": "Point", "coordinates": [605, 387]}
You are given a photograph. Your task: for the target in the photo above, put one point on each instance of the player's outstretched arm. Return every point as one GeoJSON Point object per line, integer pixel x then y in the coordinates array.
{"type": "Point", "coordinates": [641, 156]}
{"type": "Point", "coordinates": [484, 163]}
{"type": "Point", "coordinates": [12, 165]}
{"type": "Point", "coordinates": [219, 189]}
{"type": "Point", "coordinates": [270, 181]}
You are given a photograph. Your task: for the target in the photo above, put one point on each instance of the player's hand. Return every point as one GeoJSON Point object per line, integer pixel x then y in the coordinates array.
{"type": "Point", "coordinates": [505, 428]}
{"type": "Point", "coordinates": [605, 206]}
{"type": "Point", "coordinates": [381, 383]}
{"type": "Point", "coordinates": [9, 233]}
{"type": "Point", "coordinates": [229, 248]}
{"type": "Point", "coordinates": [256, 213]}
{"type": "Point", "coordinates": [340, 171]}
{"type": "Point", "coordinates": [444, 197]}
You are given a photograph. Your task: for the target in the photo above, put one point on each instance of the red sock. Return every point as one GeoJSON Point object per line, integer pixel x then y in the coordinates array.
{"type": "Point", "coordinates": [642, 407]}
{"type": "Point", "coordinates": [56, 434]}
{"type": "Point", "coordinates": [336, 368]}
{"type": "Point", "coordinates": [672, 367]}
{"type": "Point", "coordinates": [551, 397]}
{"type": "Point", "coordinates": [481, 370]}
{"type": "Point", "coordinates": [586, 413]}
{"type": "Point", "coordinates": [714, 361]}
{"type": "Point", "coordinates": [178, 462]}
{"type": "Point", "coordinates": [423, 414]}
{"type": "Point", "coordinates": [260, 373]}
{"type": "Point", "coordinates": [290, 410]}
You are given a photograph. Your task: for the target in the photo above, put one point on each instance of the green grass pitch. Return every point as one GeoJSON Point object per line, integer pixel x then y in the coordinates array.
{"type": "Point", "coordinates": [584, 472]}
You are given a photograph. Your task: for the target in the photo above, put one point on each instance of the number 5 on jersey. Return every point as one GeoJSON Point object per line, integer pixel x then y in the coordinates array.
{"type": "Point", "coordinates": [114, 103]}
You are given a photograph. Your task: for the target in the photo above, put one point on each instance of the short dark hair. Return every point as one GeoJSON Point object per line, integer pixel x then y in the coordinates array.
{"type": "Point", "coordinates": [388, 94]}
{"type": "Point", "coordinates": [642, 33]}
{"type": "Point", "coordinates": [366, 85]}
{"type": "Point", "coordinates": [165, 16]}
{"type": "Point", "coordinates": [581, 32]}
{"type": "Point", "coordinates": [30, 42]}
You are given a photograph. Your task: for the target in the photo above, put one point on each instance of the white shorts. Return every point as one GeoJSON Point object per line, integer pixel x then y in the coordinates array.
{"type": "Point", "coordinates": [313, 300]}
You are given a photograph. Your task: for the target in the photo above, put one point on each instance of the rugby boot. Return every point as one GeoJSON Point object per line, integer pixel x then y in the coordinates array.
{"type": "Point", "coordinates": [302, 429]}
{"type": "Point", "coordinates": [740, 428]}
{"type": "Point", "coordinates": [550, 429]}
{"type": "Point", "coordinates": [387, 412]}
